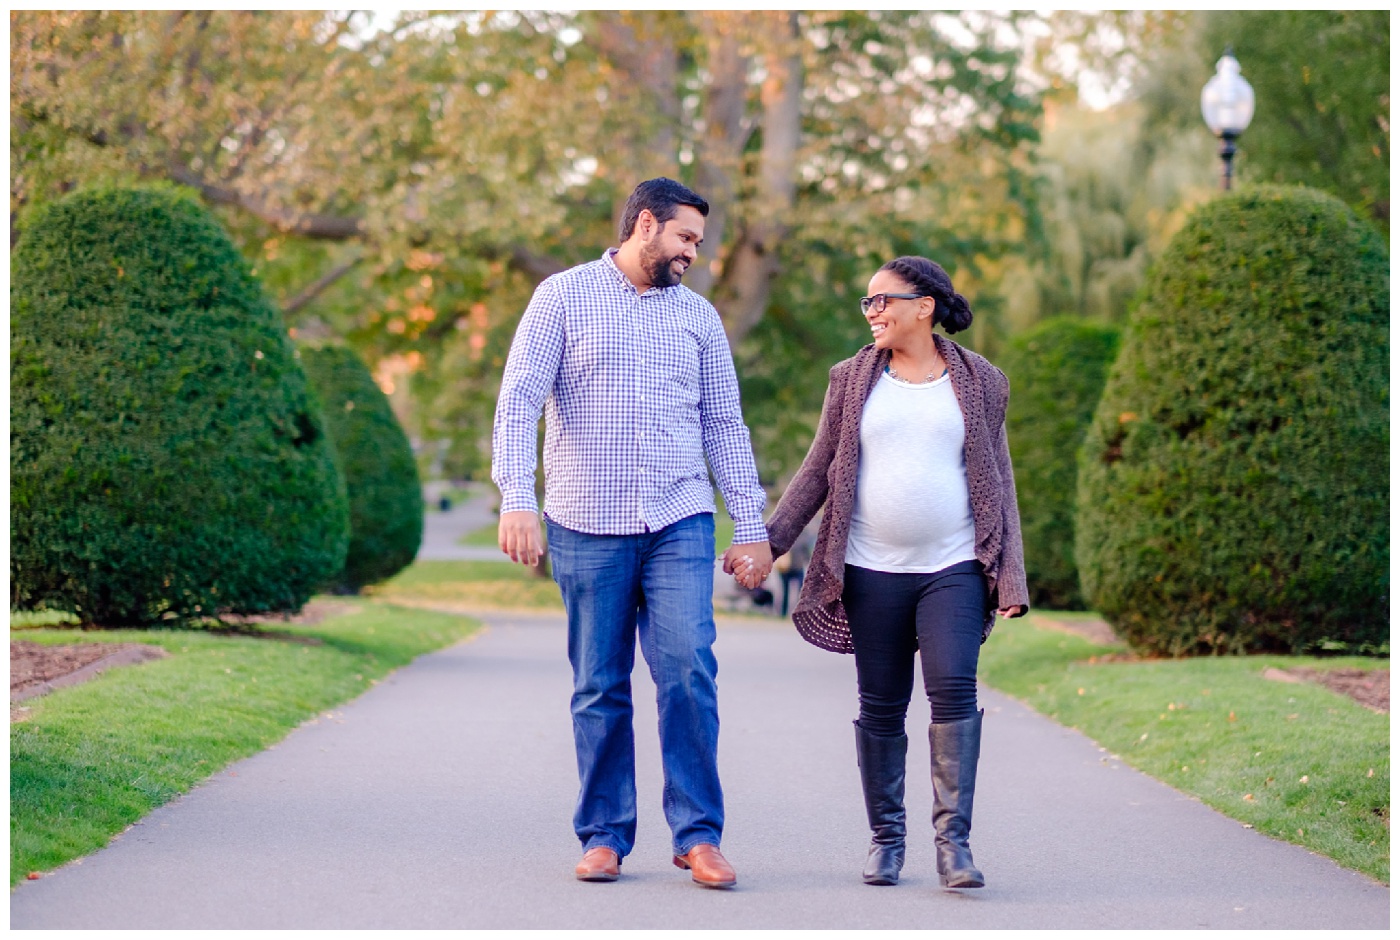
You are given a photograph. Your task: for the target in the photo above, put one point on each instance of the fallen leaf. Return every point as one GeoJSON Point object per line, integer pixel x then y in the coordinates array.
{"type": "Point", "coordinates": [1371, 772]}
{"type": "Point", "coordinates": [1232, 716]}
{"type": "Point", "coordinates": [1303, 779]}
{"type": "Point", "coordinates": [1144, 736]}
{"type": "Point", "coordinates": [1249, 797]}
{"type": "Point", "coordinates": [1248, 826]}
{"type": "Point", "coordinates": [1081, 691]}
{"type": "Point", "coordinates": [33, 876]}
{"type": "Point", "coordinates": [1293, 717]}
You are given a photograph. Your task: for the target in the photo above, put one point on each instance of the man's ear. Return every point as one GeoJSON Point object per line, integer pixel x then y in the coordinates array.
{"type": "Point", "coordinates": [645, 222]}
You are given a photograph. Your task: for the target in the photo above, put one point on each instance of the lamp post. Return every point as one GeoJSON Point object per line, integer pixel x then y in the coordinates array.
{"type": "Point", "coordinates": [1227, 104]}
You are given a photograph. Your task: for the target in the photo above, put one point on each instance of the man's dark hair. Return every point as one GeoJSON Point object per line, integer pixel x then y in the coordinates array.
{"type": "Point", "coordinates": [660, 196]}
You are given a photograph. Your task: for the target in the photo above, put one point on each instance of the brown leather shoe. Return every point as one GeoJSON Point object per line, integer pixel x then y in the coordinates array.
{"type": "Point", "coordinates": [599, 864]}
{"type": "Point", "coordinates": [707, 867]}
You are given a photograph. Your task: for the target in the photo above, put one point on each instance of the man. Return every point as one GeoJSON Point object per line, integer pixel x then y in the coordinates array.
{"type": "Point", "coordinates": [634, 374]}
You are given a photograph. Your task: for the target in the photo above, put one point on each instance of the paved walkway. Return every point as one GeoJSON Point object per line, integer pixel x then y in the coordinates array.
{"type": "Point", "coordinates": [442, 798]}
{"type": "Point", "coordinates": [441, 530]}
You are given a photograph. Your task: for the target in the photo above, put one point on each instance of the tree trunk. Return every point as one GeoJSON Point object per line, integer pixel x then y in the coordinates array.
{"type": "Point", "coordinates": [720, 161]}
{"type": "Point", "coordinates": [644, 51]}
{"type": "Point", "coordinates": [746, 283]}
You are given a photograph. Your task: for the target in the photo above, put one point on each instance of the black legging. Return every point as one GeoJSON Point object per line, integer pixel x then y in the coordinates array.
{"type": "Point", "coordinates": [894, 614]}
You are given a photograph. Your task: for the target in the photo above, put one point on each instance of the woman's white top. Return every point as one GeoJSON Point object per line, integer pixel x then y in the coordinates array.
{"type": "Point", "coordinates": [912, 511]}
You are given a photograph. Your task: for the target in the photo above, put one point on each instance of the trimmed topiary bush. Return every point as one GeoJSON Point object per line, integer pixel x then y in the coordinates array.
{"type": "Point", "coordinates": [1057, 372]}
{"type": "Point", "coordinates": [381, 476]}
{"type": "Point", "coordinates": [1234, 484]}
{"type": "Point", "coordinates": [167, 460]}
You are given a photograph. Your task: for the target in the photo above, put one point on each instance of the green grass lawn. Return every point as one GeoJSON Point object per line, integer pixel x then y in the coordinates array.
{"type": "Point", "coordinates": [485, 537]}
{"type": "Point", "coordinates": [94, 758]}
{"type": "Point", "coordinates": [1294, 761]}
{"type": "Point", "coordinates": [485, 584]}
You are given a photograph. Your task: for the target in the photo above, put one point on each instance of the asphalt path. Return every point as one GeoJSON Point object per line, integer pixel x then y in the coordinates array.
{"type": "Point", "coordinates": [442, 799]}
{"type": "Point", "coordinates": [441, 530]}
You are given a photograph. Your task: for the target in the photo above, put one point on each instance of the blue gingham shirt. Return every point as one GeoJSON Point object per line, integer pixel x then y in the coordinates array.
{"type": "Point", "coordinates": [638, 390]}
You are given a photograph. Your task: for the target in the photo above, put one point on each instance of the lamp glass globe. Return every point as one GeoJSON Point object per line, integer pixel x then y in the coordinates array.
{"type": "Point", "coordinates": [1227, 101]}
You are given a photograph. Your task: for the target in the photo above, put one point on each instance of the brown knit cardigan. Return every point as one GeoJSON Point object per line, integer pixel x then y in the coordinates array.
{"type": "Point", "coordinates": [828, 476]}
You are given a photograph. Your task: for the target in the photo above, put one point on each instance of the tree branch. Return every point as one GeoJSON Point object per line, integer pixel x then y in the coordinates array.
{"type": "Point", "coordinates": [310, 292]}
{"type": "Point", "coordinates": [536, 266]}
{"type": "Point", "coordinates": [288, 221]}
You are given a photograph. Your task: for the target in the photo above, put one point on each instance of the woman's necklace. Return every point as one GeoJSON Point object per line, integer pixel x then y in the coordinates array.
{"type": "Point", "coordinates": [929, 378]}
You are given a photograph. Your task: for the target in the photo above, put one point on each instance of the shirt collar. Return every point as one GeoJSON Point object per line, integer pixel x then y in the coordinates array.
{"type": "Point", "coordinates": [610, 262]}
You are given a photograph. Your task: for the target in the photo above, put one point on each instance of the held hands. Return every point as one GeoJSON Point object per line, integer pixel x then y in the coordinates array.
{"type": "Point", "coordinates": [749, 563]}
{"type": "Point", "coordinates": [519, 537]}
{"type": "Point", "coordinates": [1009, 612]}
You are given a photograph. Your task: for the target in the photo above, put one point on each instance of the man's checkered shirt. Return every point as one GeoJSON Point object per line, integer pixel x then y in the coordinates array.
{"type": "Point", "coordinates": [638, 390]}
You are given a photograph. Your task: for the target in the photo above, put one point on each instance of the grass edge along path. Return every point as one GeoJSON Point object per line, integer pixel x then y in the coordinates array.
{"type": "Point", "coordinates": [1296, 762]}
{"type": "Point", "coordinates": [486, 536]}
{"type": "Point", "coordinates": [95, 758]}
{"type": "Point", "coordinates": [487, 585]}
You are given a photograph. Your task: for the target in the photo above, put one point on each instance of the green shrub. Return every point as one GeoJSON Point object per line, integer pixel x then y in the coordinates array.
{"type": "Point", "coordinates": [1234, 483]}
{"type": "Point", "coordinates": [167, 460]}
{"type": "Point", "coordinates": [381, 476]}
{"type": "Point", "coordinates": [1057, 373]}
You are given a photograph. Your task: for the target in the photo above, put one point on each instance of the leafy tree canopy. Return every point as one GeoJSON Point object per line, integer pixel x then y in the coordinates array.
{"type": "Point", "coordinates": [405, 190]}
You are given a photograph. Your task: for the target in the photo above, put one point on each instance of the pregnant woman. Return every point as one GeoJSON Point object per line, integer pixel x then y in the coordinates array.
{"type": "Point", "coordinates": [918, 549]}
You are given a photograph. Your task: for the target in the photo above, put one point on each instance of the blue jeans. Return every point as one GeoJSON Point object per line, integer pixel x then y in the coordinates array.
{"type": "Point", "coordinates": [657, 585]}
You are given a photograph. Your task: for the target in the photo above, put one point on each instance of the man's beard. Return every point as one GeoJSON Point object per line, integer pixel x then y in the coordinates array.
{"type": "Point", "coordinates": [658, 267]}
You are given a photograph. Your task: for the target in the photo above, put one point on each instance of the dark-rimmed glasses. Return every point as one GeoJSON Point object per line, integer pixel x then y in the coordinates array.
{"type": "Point", "coordinates": [878, 301]}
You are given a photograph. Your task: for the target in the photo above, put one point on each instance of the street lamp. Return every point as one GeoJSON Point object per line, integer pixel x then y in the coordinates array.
{"type": "Point", "coordinates": [1227, 104]}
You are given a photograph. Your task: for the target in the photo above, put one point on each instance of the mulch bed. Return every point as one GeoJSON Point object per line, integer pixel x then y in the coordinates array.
{"type": "Point", "coordinates": [1370, 687]}
{"type": "Point", "coordinates": [33, 663]}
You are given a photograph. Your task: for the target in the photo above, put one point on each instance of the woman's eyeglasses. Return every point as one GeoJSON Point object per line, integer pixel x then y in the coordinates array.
{"type": "Point", "coordinates": [877, 301]}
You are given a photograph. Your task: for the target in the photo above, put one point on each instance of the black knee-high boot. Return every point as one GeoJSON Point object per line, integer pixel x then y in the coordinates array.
{"type": "Point", "coordinates": [881, 760]}
{"type": "Point", "coordinates": [954, 748]}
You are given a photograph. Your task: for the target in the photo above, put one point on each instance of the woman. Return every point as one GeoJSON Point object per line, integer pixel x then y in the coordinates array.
{"type": "Point", "coordinates": [920, 544]}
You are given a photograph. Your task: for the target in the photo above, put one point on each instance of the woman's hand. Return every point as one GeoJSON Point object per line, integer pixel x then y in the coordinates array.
{"type": "Point", "coordinates": [749, 564]}
{"type": "Point", "coordinates": [1009, 612]}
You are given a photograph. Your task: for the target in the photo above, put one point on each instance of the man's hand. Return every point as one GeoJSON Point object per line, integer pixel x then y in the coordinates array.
{"type": "Point", "coordinates": [1009, 612]}
{"type": "Point", "coordinates": [519, 537]}
{"type": "Point", "coordinates": [749, 563]}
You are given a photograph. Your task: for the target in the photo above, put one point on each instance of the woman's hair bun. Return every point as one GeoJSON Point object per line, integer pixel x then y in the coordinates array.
{"type": "Point", "coordinates": [957, 314]}
{"type": "Point", "coordinates": [951, 309]}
